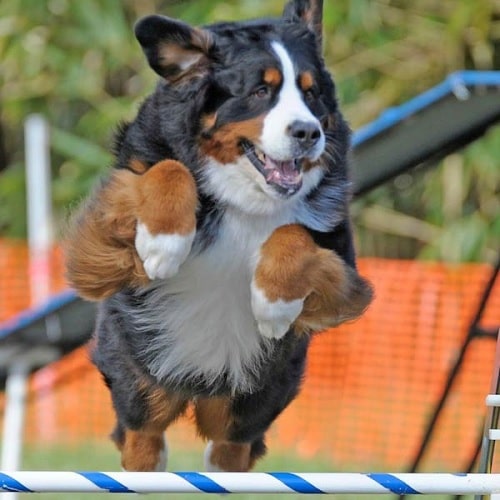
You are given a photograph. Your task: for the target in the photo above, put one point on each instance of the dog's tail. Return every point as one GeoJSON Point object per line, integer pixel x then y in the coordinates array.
{"type": "Point", "coordinates": [99, 249]}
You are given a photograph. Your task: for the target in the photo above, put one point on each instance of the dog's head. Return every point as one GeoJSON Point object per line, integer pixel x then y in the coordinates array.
{"type": "Point", "coordinates": [268, 122]}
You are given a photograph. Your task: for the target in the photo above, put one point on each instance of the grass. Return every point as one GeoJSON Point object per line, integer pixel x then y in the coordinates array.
{"type": "Point", "coordinates": [105, 458]}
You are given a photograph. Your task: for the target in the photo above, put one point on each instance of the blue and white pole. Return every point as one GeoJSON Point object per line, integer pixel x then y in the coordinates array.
{"type": "Point", "coordinates": [254, 482]}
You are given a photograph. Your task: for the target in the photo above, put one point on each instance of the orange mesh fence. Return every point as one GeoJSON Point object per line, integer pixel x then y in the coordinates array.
{"type": "Point", "coordinates": [370, 386]}
{"type": "Point", "coordinates": [15, 284]}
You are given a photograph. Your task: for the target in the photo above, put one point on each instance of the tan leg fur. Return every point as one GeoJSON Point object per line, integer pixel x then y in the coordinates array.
{"type": "Point", "coordinates": [292, 266]}
{"type": "Point", "coordinates": [101, 257]}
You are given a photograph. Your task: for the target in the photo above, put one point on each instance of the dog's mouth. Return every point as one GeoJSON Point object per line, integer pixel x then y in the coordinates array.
{"type": "Point", "coordinates": [284, 176]}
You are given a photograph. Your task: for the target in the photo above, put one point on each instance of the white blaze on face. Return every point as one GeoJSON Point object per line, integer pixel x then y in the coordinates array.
{"type": "Point", "coordinates": [275, 140]}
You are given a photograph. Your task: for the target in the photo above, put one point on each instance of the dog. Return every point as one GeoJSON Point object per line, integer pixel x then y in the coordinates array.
{"type": "Point", "coordinates": [220, 242]}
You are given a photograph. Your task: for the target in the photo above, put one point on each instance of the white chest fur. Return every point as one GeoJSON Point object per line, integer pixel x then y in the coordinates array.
{"type": "Point", "coordinates": [203, 313]}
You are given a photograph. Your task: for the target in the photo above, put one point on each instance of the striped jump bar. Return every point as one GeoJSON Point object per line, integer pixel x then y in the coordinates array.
{"type": "Point", "coordinates": [252, 482]}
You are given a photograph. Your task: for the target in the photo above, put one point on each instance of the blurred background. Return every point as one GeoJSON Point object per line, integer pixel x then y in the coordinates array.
{"type": "Point", "coordinates": [79, 65]}
{"type": "Point", "coordinates": [427, 238]}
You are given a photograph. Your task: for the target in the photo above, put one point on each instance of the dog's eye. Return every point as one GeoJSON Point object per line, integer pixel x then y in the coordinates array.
{"type": "Point", "coordinates": [261, 92]}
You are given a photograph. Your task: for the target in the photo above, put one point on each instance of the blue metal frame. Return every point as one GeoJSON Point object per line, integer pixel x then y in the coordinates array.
{"type": "Point", "coordinates": [30, 316]}
{"type": "Point", "coordinates": [456, 83]}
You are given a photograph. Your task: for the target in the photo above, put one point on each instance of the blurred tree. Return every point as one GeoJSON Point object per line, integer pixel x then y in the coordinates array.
{"type": "Point", "coordinates": [3, 152]}
{"type": "Point", "coordinates": [79, 65]}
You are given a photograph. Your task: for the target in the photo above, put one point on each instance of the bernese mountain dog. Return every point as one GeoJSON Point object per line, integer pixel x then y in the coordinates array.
{"type": "Point", "coordinates": [221, 240]}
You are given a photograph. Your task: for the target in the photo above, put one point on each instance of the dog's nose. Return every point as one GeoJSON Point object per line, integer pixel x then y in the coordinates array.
{"type": "Point", "coordinates": [307, 134]}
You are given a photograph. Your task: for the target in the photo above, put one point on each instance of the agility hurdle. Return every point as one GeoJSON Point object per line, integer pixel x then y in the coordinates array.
{"type": "Point", "coordinates": [253, 482]}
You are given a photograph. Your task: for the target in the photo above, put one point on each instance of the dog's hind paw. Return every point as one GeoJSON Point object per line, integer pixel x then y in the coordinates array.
{"type": "Point", "coordinates": [274, 319]}
{"type": "Point", "coordinates": [162, 254]}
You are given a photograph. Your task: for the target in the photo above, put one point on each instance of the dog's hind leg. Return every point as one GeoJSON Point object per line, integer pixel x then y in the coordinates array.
{"type": "Point", "coordinates": [236, 426]}
{"type": "Point", "coordinates": [231, 456]}
{"type": "Point", "coordinates": [215, 421]}
{"type": "Point", "coordinates": [141, 451]}
{"type": "Point", "coordinates": [139, 434]}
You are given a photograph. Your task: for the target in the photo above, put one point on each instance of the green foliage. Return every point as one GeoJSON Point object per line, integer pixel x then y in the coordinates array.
{"type": "Point", "coordinates": [447, 213]}
{"type": "Point", "coordinates": [12, 196]}
{"type": "Point", "coordinates": [78, 64]}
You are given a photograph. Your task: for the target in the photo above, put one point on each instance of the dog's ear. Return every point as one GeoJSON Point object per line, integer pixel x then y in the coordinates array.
{"type": "Point", "coordinates": [309, 12]}
{"type": "Point", "coordinates": [175, 50]}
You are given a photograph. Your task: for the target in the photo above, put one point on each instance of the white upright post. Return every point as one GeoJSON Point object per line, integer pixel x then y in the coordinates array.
{"type": "Point", "coordinates": [19, 362]}
{"type": "Point", "coordinates": [39, 205]}
{"type": "Point", "coordinates": [40, 240]}
{"type": "Point", "coordinates": [39, 208]}
{"type": "Point", "coordinates": [13, 423]}
{"type": "Point", "coordinates": [15, 392]}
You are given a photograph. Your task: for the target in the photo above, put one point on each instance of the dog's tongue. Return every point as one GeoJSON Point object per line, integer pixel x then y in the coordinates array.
{"type": "Point", "coordinates": [284, 174]}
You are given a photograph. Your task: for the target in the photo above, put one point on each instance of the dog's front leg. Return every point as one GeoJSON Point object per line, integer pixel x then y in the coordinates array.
{"type": "Point", "coordinates": [281, 279]}
{"type": "Point", "coordinates": [166, 218]}
{"type": "Point", "coordinates": [298, 283]}
{"type": "Point", "coordinates": [138, 225]}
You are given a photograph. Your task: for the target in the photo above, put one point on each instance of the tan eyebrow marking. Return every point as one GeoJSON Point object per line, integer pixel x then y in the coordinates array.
{"type": "Point", "coordinates": [272, 76]}
{"type": "Point", "coordinates": [306, 80]}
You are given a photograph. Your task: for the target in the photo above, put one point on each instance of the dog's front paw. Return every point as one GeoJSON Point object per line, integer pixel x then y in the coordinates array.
{"type": "Point", "coordinates": [162, 254]}
{"type": "Point", "coordinates": [274, 319]}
